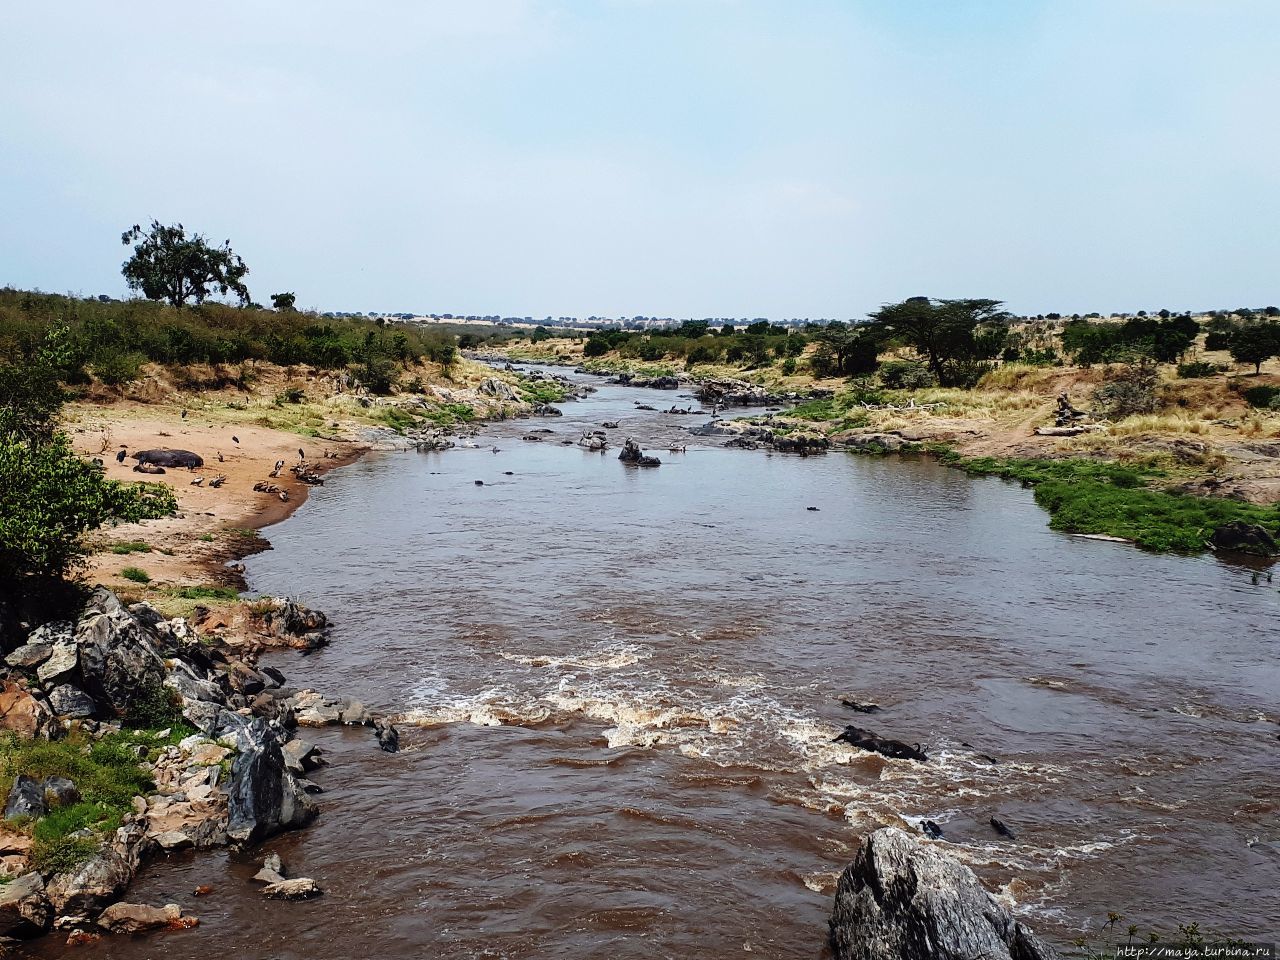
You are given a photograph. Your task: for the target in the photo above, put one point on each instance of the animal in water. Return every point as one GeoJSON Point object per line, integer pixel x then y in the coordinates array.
{"type": "Point", "coordinates": [479, 483]}
{"type": "Point", "coordinates": [610, 424]}
{"type": "Point", "coordinates": [813, 509]}
{"type": "Point", "coordinates": [931, 830]}
{"type": "Point", "coordinates": [678, 449]}
{"type": "Point", "coordinates": [861, 707]}
{"type": "Point", "coordinates": [1000, 827]}
{"type": "Point", "coordinates": [121, 455]}
{"type": "Point", "coordinates": [496, 450]}
{"type": "Point", "coordinates": [508, 473]}
{"type": "Point", "coordinates": [893, 749]}
{"type": "Point", "coordinates": [235, 439]}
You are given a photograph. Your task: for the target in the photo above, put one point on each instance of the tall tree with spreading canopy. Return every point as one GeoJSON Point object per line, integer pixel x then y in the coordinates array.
{"type": "Point", "coordinates": [1255, 343]}
{"type": "Point", "coordinates": [950, 335]}
{"type": "Point", "coordinates": [168, 265]}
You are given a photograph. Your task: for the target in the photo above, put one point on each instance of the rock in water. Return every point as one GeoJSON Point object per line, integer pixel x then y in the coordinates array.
{"type": "Point", "coordinates": [902, 899]}
{"type": "Point", "coordinates": [631, 453]}
{"type": "Point", "coordinates": [1240, 537]}
{"type": "Point", "coordinates": [138, 917]}
{"type": "Point", "coordinates": [264, 797]}
{"type": "Point", "coordinates": [388, 735]}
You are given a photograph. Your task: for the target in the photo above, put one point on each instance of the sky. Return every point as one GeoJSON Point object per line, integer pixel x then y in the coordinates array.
{"type": "Point", "coordinates": [705, 158]}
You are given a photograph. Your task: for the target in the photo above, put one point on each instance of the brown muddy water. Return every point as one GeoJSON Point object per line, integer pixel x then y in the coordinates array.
{"type": "Point", "coordinates": [619, 687]}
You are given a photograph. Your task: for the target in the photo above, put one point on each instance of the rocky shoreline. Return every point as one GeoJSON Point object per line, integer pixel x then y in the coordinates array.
{"type": "Point", "coordinates": [228, 769]}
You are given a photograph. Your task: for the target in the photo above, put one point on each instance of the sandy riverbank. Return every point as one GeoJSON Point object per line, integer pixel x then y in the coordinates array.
{"type": "Point", "coordinates": [213, 525]}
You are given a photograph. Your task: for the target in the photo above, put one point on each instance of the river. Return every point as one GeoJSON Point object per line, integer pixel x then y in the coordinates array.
{"type": "Point", "coordinates": [618, 689]}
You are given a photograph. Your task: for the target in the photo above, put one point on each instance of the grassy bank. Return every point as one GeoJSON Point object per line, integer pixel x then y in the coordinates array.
{"type": "Point", "coordinates": [1115, 500]}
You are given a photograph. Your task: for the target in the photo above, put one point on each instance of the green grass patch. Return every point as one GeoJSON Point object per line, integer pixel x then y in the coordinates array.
{"type": "Point", "coordinates": [398, 419]}
{"type": "Point", "coordinates": [205, 593]}
{"type": "Point", "coordinates": [1115, 500]}
{"type": "Point", "coordinates": [542, 391]}
{"type": "Point", "coordinates": [205, 538]}
{"type": "Point", "coordinates": [131, 546]}
{"type": "Point", "coordinates": [449, 414]}
{"type": "Point", "coordinates": [136, 574]}
{"type": "Point", "coordinates": [107, 774]}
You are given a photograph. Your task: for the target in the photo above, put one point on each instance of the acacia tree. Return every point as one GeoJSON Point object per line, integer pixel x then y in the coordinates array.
{"type": "Point", "coordinates": [1255, 343]}
{"type": "Point", "coordinates": [168, 265]}
{"type": "Point", "coordinates": [284, 302]}
{"type": "Point", "coordinates": [948, 334]}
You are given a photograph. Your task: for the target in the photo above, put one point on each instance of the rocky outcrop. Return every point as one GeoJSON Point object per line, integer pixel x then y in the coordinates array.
{"type": "Point", "coordinates": [264, 797]}
{"type": "Point", "coordinates": [1240, 537]}
{"type": "Point", "coordinates": [902, 899]}
{"type": "Point", "coordinates": [499, 390]}
{"type": "Point", "coordinates": [292, 624]}
{"type": "Point", "coordinates": [739, 393]}
{"type": "Point", "coordinates": [236, 780]}
{"type": "Point", "coordinates": [631, 453]}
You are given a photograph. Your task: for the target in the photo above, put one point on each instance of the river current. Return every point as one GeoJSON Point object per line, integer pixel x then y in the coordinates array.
{"type": "Point", "coordinates": [617, 690]}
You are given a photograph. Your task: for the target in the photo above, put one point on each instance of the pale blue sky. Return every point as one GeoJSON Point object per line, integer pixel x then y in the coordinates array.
{"type": "Point", "coordinates": [658, 157]}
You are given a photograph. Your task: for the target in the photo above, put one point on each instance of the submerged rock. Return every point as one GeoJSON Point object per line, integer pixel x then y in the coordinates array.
{"type": "Point", "coordinates": [902, 899]}
{"type": "Point", "coordinates": [139, 918]}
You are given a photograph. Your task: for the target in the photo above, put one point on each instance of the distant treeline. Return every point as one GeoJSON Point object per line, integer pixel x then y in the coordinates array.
{"type": "Point", "coordinates": [112, 339]}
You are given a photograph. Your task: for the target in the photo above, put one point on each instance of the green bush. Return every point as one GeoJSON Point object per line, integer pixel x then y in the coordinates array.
{"type": "Point", "coordinates": [136, 574]}
{"type": "Point", "coordinates": [1262, 397]}
{"type": "Point", "coordinates": [906, 375]}
{"type": "Point", "coordinates": [155, 708]}
{"type": "Point", "coordinates": [131, 546]}
{"type": "Point", "coordinates": [1196, 369]}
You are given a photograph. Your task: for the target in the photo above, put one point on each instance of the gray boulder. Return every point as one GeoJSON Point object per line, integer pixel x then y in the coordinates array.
{"type": "Point", "coordinates": [119, 662]}
{"type": "Point", "coordinates": [68, 701]}
{"type": "Point", "coordinates": [26, 799]}
{"type": "Point", "coordinates": [64, 657]}
{"type": "Point", "coordinates": [25, 911]}
{"type": "Point", "coordinates": [902, 899]}
{"type": "Point", "coordinates": [29, 656]}
{"type": "Point", "coordinates": [79, 895]}
{"type": "Point", "coordinates": [264, 797]}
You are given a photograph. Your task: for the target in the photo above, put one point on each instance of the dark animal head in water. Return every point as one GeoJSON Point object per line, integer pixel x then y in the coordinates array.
{"type": "Point", "coordinates": [894, 749]}
{"type": "Point", "coordinates": [170, 458]}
